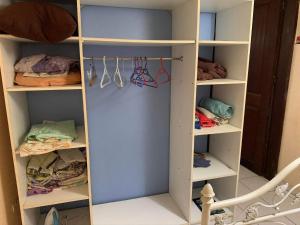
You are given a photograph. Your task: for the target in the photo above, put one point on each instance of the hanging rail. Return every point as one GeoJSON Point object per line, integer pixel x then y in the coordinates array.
{"type": "Point", "coordinates": [133, 58]}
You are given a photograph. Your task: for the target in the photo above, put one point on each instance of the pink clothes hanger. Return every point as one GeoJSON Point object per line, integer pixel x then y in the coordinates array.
{"type": "Point", "coordinates": [162, 75]}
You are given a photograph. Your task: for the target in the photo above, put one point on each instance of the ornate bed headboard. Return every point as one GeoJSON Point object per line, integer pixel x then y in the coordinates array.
{"type": "Point", "coordinates": [252, 215]}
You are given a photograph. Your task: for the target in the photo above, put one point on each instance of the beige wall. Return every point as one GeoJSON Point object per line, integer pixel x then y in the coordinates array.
{"type": "Point", "coordinates": [290, 146]}
{"type": "Point", "coordinates": [9, 206]}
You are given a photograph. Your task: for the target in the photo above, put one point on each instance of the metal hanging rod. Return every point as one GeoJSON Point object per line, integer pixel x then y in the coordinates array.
{"type": "Point", "coordinates": [133, 58]}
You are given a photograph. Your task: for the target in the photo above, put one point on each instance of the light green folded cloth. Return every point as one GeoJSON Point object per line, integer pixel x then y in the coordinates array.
{"type": "Point", "coordinates": [217, 107]}
{"type": "Point", "coordinates": [64, 131]}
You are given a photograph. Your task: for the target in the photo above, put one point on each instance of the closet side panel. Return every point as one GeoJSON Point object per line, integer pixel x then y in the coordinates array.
{"type": "Point", "coordinates": [185, 25]}
{"type": "Point", "coordinates": [8, 190]}
{"type": "Point", "coordinates": [182, 120]}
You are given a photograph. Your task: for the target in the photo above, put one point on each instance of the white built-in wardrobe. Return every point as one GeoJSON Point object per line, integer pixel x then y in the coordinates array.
{"type": "Point", "coordinates": [148, 180]}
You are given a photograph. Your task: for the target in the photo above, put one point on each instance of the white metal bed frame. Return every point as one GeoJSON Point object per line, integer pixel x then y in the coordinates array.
{"type": "Point", "coordinates": [252, 212]}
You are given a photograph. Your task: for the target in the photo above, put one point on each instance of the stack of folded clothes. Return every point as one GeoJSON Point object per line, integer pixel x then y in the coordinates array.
{"type": "Point", "coordinates": [47, 137]}
{"type": "Point", "coordinates": [212, 112]}
{"type": "Point", "coordinates": [42, 70]}
{"type": "Point", "coordinates": [208, 70]}
{"type": "Point", "coordinates": [50, 171]}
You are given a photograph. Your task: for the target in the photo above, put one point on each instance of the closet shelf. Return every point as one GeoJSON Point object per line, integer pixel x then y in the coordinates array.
{"type": "Point", "coordinates": [57, 196]}
{"type": "Point", "coordinates": [78, 143]}
{"type": "Point", "coordinates": [223, 129]}
{"type": "Point", "coordinates": [50, 88]}
{"type": "Point", "coordinates": [131, 42]}
{"type": "Point", "coordinates": [17, 39]}
{"type": "Point", "coordinates": [217, 5]}
{"type": "Point", "coordinates": [217, 43]}
{"type": "Point", "coordinates": [216, 170]}
{"type": "Point", "coordinates": [79, 216]}
{"type": "Point", "coordinates": [220, 82]}
{"type": "Point", "coordinates": [157, 209]}
{"type": "Point", "coordinates": [141, 4]}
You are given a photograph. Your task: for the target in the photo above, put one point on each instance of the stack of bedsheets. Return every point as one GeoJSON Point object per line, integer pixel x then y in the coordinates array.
{"type": "Point", "coordinates": [64, 169]}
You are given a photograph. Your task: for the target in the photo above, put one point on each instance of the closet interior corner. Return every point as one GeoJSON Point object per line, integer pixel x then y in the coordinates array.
{"type": "Point", "coordinates": [146, 69]}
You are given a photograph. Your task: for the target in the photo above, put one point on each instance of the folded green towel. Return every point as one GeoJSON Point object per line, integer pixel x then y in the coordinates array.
{"type": "Point", "coordinates": [64, 130]}
{"type": "Point", "coordinates": [217, 107]}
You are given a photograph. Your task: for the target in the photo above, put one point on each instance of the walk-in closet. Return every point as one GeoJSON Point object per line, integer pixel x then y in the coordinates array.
{"type": "Point", "coordinates": [135, 130]}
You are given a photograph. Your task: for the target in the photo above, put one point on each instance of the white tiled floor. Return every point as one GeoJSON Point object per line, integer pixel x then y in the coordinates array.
{"type": "Point", "coordinates": [249, 182]}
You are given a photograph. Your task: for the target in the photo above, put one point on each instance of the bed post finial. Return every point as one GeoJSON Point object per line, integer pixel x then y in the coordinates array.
{"type": "Point", "coordinates": [207, 199]}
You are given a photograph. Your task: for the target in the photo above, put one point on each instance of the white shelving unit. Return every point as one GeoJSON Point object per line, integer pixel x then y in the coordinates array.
{"type": "Point", "coordinates": [231, 49]}
{"type": "Point", "coordinates": [232, 46]}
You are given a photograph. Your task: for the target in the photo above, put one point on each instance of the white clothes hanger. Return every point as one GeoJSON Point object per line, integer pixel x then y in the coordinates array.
{"type": "Point", "coordinates": [106, 79]}
{"type": "Point", "coordinates": [117, 76]}
{"type": "Point", "coordinates": [92, 73]}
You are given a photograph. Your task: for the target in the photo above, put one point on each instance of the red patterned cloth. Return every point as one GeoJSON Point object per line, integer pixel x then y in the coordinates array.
{"type": "Point", "coordinates": [204, 121]}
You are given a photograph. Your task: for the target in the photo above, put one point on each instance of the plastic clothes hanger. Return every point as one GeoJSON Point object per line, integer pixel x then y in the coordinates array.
{"type": "Point", "coordinates": [162, 75]}
{"type": "Point", "coordinates": [117, 76]}
{"type": "Point", "coordinates": [137, 75]}
{"type": "Point", "coordinates": [106, 79]}
{"type": "Point", "coordinates": [92, 73]}
{"type": "Point", "coordinates": [149, 80]}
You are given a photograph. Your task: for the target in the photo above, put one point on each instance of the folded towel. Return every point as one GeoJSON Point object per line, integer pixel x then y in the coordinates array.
{"type": "Point", "coordinates": [208, 114]}
{"type": "Point", "coordinates": [64, 130]}
{"type": "Point", "coordinates": [217, 107]}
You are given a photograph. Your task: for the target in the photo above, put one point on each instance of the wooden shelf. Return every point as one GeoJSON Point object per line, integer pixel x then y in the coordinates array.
{"type": "Point", "coordinates": [141, 4]}
{"type": "Point", "coordinates": [219, 82]}
{"type": "Point", "coordinates": [79, 216]}
{"type": "Point", "coordinates": [216, 170]}
{"type": "Point", "coordinates": [78, 143]}
{"type": "Point", "coordinates": [131, 42]}
{"type": "Point", "coordinates": [217, 5]}
{"type": "Point", "coordinates": [158, 209]}
{"type": "Point", "coordinates": [223, 129]}
{"type": "Point", "coordinates": [17, 39]}
{"type": "Point", "coordinates": [50, 88]}
{"type": "Point", "coordinates": [221, 43]}
{"type": "Point", "coordinates": [57, 196]}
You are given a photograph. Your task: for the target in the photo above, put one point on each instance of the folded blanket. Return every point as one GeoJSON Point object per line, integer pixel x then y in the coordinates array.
{"type": "Point", "coordinates": [29, 80]}
{"type": "Point", "coordinates": [204, 121]}
{"type": "Point", "coordinates": [26, 63]}
{"type": "Point", "coordinates": [218, 108]}
{"type": "Point", "coordinates": [72, 155]}
{"type": "Point", "coordinates": [64, 130]}
{"type": "Point", "coordinates": [46, 64]}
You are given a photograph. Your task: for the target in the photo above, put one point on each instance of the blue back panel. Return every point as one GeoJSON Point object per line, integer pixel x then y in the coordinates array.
{"type": "Point", "coordinates": [129, 131]}
{"type": "Point", "coordinates": [207, 26]}
{"type": "Point", "coordinates": [55, 106]}
{"type": "Point", "coordinates": [113, 22]}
